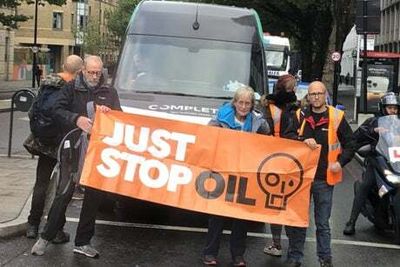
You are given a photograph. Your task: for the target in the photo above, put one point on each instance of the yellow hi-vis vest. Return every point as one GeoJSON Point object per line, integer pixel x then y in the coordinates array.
{"type": "Point", "coordinates": [276, 114]}
{"type": "Point", "coordinates": [334, 147]}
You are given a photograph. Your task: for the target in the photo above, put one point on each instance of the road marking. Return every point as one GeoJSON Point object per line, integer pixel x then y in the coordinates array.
{"type": "Point", "coordinates": [252, 234]}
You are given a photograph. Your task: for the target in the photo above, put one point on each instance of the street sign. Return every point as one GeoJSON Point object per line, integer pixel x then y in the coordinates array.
{"type": "Point", "coordinates": [335, 56]}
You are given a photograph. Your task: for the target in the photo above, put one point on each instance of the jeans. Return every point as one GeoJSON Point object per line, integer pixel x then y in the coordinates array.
{"type": "Point", "coordinates": [237, 239]}
{"type": "Point", "coordinates": [276, 231]}
{"type": "Point", "coordinates": [322, 196]}
{"type": "Point", "coordinates": [44, 169]}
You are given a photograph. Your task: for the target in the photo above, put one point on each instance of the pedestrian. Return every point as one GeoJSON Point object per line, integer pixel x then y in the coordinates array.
{"type": "Point", "coordinates": [325, 126]}
{"type": "Point", "coordinates": [237, 115]}
{"type": "Point", "coordinates": [47, 152]}
{"type": "Point", "coordinates": [71, 110]}
{"type": "Point", "coordinates": [278, 109]}
{"type": "Point", "coordinates": [38, 74]}
{"type": "Point", "coordinates": [368, 133]}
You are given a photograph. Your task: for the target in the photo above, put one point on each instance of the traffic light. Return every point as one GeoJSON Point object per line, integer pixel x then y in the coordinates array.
{"type": "Point", "coordinates": [372, 11]}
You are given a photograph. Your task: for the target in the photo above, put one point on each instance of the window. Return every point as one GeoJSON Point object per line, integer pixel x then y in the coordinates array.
{"type": "Point", "coordinates": [57, 21]}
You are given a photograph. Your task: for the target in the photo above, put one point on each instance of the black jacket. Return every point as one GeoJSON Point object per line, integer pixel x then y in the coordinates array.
{"type": "Point", "coordinates": [74, 96]}
{"type": "Point", "coordinates": [365, 133]}
{"type": "Point", "coordinates": [288, 113]}
{"type": "Point", "coordinates": [320, 134]}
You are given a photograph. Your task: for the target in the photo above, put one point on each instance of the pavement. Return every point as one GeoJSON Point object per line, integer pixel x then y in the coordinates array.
{"type": "Point", "coordinates": [17, 175]}
{"type": "Point", "coordinates": [16, 186]}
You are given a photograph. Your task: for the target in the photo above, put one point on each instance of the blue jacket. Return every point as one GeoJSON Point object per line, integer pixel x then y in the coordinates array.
{"type": "Point", "coordinates": [254, 121]}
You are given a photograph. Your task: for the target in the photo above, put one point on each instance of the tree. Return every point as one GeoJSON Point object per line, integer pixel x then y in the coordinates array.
{"type": "Point", "coordinates": [11, 19]}
{"type": "Point", "coordinates": [118, 19]}
{"type": "Point", "coordinates": [316, 27]}
{"type": "Point", "coordinates": [93, 42]}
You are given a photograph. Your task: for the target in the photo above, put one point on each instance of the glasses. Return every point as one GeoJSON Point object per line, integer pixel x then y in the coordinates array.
{"type": "Point", "coordinates": [244, 103]}
{"type": "Point", "coordinates": [91, 72]}
{"type": "Point", "coordinates": [319, 94]}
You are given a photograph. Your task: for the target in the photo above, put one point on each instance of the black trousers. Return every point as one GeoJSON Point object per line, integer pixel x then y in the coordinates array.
{"type": "Point", "coordinates": [44, 169]}
{"type": "Point", "coordinates": [87, 218]}
{"type": "Point", "coordinates": [237, 239]}
{"type": "Point", "coordinates": [56, 217]}
{"type": "Point", "coordinates": [365, 186]}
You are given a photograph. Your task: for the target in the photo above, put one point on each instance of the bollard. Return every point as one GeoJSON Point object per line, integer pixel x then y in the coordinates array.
{"type": "Point", "coordinates": [21, 101]}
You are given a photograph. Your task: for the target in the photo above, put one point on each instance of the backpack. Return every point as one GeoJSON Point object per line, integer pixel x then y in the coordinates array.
{"type": "Point", "coordinates": [43, 125]}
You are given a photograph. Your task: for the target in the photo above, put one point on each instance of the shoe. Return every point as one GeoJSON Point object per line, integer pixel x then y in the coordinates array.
{"type": "Point", "coordinates": [273, 250]}
{"type": "Point", "coordinates": [32, 231]}
{"type": "Point", "coordinates": [210, 260]}
{"type": "Point", "coordinates": [292, 263]}
{"type": "Point", "coordinates": [39, 247]}
{"type": "Point", "coordinates": [325, 263]}
{"type": "Point", "coordinates": [87, 250]}
{"type": "Point", "coordinates": [239, 261]}
{"type": "Point", "coordinates": [350, 228]}
{"type": "Point", "coordinates": [61, 237]}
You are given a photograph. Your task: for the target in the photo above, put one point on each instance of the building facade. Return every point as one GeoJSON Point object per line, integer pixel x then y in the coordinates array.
{"type": "Point", "coordinates": [389, 38]}
{"type": "Point", "coordinates": [60, 31]}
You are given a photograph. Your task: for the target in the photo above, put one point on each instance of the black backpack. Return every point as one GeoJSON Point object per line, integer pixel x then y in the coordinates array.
{"type": "Point", "coordinates": [42, 122]}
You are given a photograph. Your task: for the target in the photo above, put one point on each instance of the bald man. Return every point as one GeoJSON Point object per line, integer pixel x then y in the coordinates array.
{"type": "Point", "coordinates": [48, 153]}
{"type": "Point", "coordinates": [325, 126]}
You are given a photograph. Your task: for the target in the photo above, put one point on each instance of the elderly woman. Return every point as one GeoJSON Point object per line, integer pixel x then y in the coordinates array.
{"type": "Point", "coordinates": [237, 115]}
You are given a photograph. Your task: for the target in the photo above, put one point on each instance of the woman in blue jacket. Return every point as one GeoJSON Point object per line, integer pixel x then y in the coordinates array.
{"type": "Point", "coordinates": [237, 115]}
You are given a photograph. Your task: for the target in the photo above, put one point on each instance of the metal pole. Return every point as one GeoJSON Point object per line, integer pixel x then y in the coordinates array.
{"type": "Point", "coordinates": [335, 83]}
{"type": "Point", "coordinates": [34, 63]}
{"type": "Point", "coordinates": [11, 126]}
{"type": "Point", "coordinates": [363, 94]}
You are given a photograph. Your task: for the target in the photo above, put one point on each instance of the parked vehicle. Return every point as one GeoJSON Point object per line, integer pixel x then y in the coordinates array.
{"type": "Point", "coordinates": [182, 60]}
{"type": "Point", "coordinates": [381, 208]}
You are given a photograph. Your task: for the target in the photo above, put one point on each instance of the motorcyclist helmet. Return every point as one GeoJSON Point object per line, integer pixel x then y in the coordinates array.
{"type": "Point", "coordinates": [388, 99]}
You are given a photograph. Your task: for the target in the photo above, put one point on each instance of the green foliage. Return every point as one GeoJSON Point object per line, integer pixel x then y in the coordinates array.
{"type": "Point", "coordinates": [118, 19]}
{"type": "Point", "coordinates": [11, 19]}
{"type": "Point", "coordinates": [93, 43]}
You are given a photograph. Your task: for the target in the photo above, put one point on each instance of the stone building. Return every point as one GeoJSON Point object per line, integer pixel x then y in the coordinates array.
{"type": "Point", "coordinates": [59, 34]}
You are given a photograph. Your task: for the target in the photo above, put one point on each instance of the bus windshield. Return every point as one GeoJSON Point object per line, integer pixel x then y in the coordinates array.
{"type": "Point", "coordinates": [196, 67]}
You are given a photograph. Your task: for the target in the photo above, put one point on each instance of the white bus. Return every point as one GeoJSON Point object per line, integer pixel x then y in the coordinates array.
{"type": "Point", "coordinates": [277, 52]}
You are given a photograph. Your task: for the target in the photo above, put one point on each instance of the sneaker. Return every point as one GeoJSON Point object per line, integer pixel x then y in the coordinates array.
{"type": "Point", "coordinates": [32, 231]}
{"type": "Point", "coordinates": [87, 250]}
{"type": "Point", "coordinates": [325, 263]}
{"type": "Point", "coordinates": [39, 247]}
{"type": "Point", "coordinates": [61, 237]}
{"type": "Point", "coordinates": [273, 250]}
{"type": "Point", "coordinates": [239, 261]}
{"type": "Point", "coordinates": [350, 228]}
{"type": "Point", "coordinates": [210, 260]}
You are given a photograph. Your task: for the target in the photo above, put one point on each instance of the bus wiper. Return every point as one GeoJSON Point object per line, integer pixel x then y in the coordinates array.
{"type": "Point", "coordinates": [180, 94]}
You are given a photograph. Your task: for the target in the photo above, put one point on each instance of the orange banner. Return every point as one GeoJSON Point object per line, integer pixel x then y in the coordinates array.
{"type": "Point", "coordinates": [201, 168]}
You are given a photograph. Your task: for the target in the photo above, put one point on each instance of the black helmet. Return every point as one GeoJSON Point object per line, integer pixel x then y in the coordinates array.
{"type": "Point", "coordinates": [387, 99]}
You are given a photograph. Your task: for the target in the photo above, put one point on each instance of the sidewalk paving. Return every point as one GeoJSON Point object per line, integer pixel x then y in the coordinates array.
{"type": "Point", "coordinates": [16, 185]}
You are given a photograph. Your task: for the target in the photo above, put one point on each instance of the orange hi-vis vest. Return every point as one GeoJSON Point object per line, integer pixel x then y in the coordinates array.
{"type": "Point", "coordinates": [334, 147]}
{"type": "Point", "coordinates": [276, 114]}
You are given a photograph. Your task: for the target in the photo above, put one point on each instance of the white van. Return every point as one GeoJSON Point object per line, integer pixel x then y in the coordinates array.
{"type": "Point", "coordinates": [182, 60]}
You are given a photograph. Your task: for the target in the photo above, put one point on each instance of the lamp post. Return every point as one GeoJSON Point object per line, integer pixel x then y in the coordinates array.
{"type": "Point", "coordinates": [35, 48]}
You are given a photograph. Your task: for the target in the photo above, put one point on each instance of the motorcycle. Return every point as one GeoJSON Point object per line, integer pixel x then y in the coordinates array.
{"type": "Point", "coordinates": [382, 207]}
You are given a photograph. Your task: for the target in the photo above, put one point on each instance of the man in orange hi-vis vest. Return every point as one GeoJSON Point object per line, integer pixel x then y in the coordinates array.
{"type": "Point", "coordinates": [325, 126]}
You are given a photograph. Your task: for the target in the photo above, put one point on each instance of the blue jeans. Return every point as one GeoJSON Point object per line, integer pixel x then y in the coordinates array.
{"type": "Point", "coordinates": [322, 196]}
